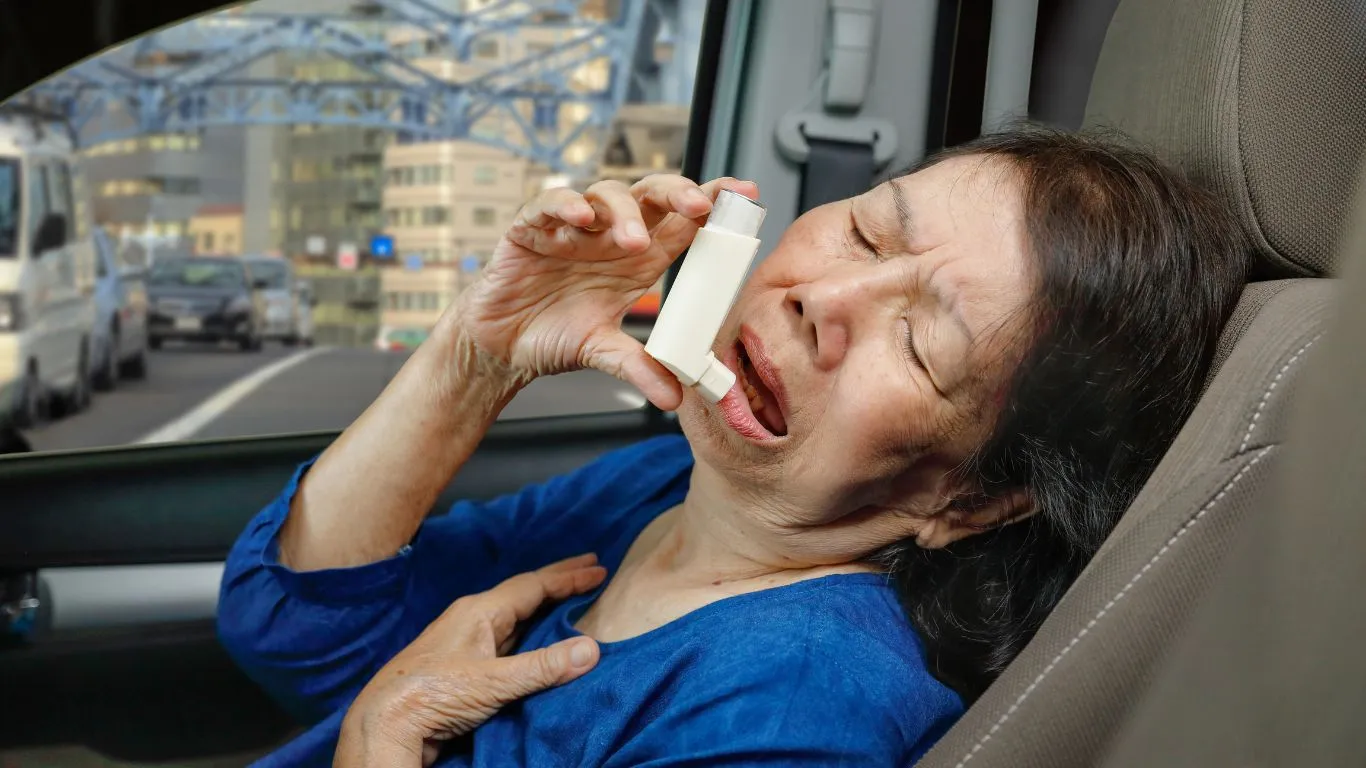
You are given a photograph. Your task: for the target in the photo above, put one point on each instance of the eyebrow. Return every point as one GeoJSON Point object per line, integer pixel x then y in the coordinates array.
{"type": "Point", "coordinates": [903, 212]}
{"type": "Point", "coordinates": [903, 217]}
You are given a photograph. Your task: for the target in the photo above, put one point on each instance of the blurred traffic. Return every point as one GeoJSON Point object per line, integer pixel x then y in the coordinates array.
{"type": "Point", "coordinates": [137, 254]}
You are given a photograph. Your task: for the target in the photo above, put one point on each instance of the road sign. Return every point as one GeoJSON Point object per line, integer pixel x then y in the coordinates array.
{"type": "Point", "coordinates": [413, 262]}
{"type": "Point", "coordinates": [316, 245]}
{"type": "Point", "coordinates": [382, 246]}
{"type": "Point", "coordinates": [348, 256]}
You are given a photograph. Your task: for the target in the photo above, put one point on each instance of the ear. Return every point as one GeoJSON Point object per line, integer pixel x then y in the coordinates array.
{"type": "Point", "coordinates": [974, 514]}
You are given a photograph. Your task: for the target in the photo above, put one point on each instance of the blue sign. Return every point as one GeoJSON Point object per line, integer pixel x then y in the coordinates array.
{"type": "Point", "coordinates": [470, 264]}
{"type": "Point", "coordinates": [382, 246]}
{"type": "Point", "coordinates": [413, 261]}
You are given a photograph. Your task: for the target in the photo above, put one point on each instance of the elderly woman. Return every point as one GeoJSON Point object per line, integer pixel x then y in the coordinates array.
{"type": "Point", "coordinates": [950, 388]}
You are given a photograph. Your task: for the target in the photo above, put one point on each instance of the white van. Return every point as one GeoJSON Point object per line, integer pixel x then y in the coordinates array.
{"type": "Point", "coordinates": [47, 271]}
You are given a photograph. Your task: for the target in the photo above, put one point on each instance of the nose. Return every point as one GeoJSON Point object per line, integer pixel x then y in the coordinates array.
{"type": "Point", "coordinates": [832, 310]}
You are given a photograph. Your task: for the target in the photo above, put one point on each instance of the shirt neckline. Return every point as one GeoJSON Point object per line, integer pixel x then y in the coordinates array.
{"type": "Point", "coordinates": [570, 610]}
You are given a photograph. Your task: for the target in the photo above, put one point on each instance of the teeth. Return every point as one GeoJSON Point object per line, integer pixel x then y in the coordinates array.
{"type": "Point", "coordinates": [756, 401]}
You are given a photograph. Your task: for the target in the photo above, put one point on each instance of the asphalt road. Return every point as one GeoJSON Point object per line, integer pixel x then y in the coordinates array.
{"type": "Point", "coordinates": [201, 392]}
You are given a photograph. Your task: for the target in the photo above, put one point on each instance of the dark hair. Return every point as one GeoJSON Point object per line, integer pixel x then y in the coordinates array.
{"type": "Point", "coordinates": [1136, 270]}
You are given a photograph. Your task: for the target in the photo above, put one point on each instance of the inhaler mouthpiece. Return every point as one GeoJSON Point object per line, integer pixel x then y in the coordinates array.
{"type": "Point", "coordinates": [704, 291]}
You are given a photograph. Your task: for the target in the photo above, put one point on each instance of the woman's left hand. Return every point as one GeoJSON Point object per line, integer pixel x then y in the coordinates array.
{"type": "Point", "coordinates": [455, 676]}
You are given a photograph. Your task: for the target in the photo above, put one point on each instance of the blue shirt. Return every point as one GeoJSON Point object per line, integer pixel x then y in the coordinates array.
{"type": "Point", "coordinates": [823, 672]}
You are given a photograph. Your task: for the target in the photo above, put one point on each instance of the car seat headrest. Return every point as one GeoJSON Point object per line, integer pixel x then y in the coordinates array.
{"type": "Point", "coordinates": [1264, 101]}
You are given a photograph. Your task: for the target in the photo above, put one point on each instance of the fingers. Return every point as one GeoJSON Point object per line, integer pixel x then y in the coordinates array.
{"type": "Point", "coordinates": [629, 214]}
{"type": "Point", "coordinates": [614, 208]}
{"type": "Point", "coordinates": [661, 194]}
{"type": "Point", "coordinates": [517, 598]}
{"type": "Point", "coordinates": [572, 563]}
{"type": "Point", "coordinates": [553, 208]}
{"type": "Point", "coordinates": [516, 677]}
{"type": "Point", "coordinates": [745, 187]}
{"type": "Point", "coordinates": [675, 233]}
{"type": "Point", "coordinates": [616, 353]}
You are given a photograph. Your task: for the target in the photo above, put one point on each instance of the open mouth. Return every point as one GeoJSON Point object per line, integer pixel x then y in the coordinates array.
{"type": "Point", "coordinates": [763, 403]}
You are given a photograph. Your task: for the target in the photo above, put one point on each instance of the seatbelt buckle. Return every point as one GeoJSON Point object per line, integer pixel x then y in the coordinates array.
{"type": "Point", "coordinates": [795, 128]}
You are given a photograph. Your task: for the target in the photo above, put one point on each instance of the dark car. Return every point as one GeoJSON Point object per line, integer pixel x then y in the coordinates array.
{"type": "Point", "coordinates": [203, 299]}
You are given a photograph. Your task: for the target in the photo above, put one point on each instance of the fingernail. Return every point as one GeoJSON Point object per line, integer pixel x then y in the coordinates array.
{"type": "Point", "coordinates": [580, 653]}
{"type": "Point", "coordinates": [636, 229]}
{"type": "Point", "coordinates": [698, 196]}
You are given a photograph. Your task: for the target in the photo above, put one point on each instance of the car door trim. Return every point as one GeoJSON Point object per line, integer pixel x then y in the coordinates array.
{"type": "Point", "coordinates": [99, 597]}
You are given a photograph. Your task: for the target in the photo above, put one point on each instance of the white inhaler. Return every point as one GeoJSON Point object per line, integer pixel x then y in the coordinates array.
{"type": "Point", "coordinates": [702, 294]}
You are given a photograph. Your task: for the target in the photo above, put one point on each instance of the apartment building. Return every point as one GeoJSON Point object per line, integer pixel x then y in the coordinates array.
{"type": "Point", "coordinates": [446, 204]}
{"type": "Point", "coordinates": [216, 230]}
{"type": "Point", "coordinates": [146, 189]}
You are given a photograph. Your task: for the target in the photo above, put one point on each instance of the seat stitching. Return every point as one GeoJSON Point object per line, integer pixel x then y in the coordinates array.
{"type": "Point", "coordinates": [1113, 601]}
{"type": "Point", "coordinates": [977, 747]}
{"type": "Point", "coordinates": [1266, 396]}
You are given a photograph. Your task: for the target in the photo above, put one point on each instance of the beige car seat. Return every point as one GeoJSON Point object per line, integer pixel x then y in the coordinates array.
{"type": "Point", "coordinates": [1265, 102]}
{"type": "Point", "coordinates": [1269, 672]}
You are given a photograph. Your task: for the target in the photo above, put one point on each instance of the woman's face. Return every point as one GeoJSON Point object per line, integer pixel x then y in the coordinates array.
{"type": "Point", "coordinates": [878, 335]}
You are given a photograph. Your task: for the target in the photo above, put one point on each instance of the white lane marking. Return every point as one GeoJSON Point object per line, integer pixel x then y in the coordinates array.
{"type": "Point", "coordinates": [185, 426]}
{"type": "Point", "coordinates": [630, 398]}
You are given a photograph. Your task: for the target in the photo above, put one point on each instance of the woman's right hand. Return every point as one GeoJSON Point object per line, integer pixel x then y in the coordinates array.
{"type": "Point", "coordinates": [554, 294]}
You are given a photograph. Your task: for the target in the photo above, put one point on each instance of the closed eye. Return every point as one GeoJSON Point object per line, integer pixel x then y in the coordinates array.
{"type": "Point", "coordinates": [860, 241]}
{"type": "Point", "coordinates": [909, 344]}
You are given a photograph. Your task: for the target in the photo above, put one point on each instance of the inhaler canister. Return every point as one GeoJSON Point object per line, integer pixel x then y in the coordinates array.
{"type": "Point", "coordinates": [702, 294]}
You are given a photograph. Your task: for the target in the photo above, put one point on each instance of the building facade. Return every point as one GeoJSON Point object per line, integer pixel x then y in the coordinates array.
{"type": "Point", "coordinates": [146, 189]}
{"type": "Point", "coordinates": [326, 186]}
{"type": "Point", "coordinates": [216, 230]}
{"type": "Point", "coordinates": [447, 203]}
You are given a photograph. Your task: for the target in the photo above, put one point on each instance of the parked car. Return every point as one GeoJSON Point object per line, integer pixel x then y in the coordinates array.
{"type": "Point", "coordinates": [278, 300]}
{"type": "Point", "coordinates": [304, 302]}
{"type": "Point", "coordinates": [47, 275]}
{"type": "Point", "coordinates": [197, 298]}
{"type": "Point", "coordinates": [391, 339]}
{"type": "Point", "coordinates": [120, 334]}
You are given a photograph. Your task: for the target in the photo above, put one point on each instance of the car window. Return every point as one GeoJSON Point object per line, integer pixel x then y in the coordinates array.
{"type": "Point", "coordinates": [39, 198]}
{"type": "Point", "coordinates": [274, 272]}
{"type": "Point", "coordinates": [60, 191]}
{"type": "Point", "coordinates": [387, 207]}
{"type": "Point", "coordinates": [197, 273]}
{"type": "Point", "coordinates": [10, 186]}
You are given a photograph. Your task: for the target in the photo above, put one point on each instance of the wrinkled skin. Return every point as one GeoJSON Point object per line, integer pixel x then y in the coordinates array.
{"type": "Point", "coordinates": [456, 674]}
{"type": "Point", "coordinates": [894, 320]}
{"type": "Point", "coordinates": [562, 278]}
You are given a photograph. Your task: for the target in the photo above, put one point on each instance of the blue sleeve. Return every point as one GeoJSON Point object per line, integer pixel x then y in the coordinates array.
{"type": "Point", "coordinates": [805, 699]}
{"type": "Point", "coordinates": [312, 639]}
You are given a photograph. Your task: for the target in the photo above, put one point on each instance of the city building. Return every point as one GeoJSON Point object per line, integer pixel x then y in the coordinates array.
{"type": "Point", "coordinates": [415, 299]}
{"type": "Point", "coordinates": [146, 189]}
{"type": "Point", "coordinates": [326, 189]}
{"type": "Point", "coordinates": [446, 203]}
{"type": "Point", "coordinates": [216, 229]}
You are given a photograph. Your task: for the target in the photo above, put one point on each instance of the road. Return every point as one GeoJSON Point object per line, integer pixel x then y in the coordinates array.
{"type": "Point", "coordinates": [201, 392]}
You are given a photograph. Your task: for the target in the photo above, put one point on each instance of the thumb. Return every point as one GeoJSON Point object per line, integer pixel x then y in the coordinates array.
{"type": "Point", "coordinates": [622, 356]}
{"type": "Point", "coordinates": [526, 673]}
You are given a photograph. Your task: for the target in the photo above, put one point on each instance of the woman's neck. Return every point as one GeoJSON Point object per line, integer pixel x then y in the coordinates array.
{"type": "Point", "coordinates": [710, 547]}
{"type": "Point", "coordinates": [717, 536]}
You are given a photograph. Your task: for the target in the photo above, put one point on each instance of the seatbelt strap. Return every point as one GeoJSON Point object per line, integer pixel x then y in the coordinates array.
{"type": "Point", "coordinates": [838, 149]}
{"type": "Point", "coordinates": [835, 170]}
